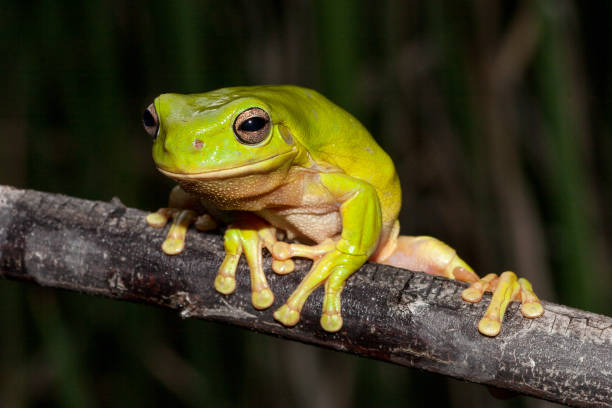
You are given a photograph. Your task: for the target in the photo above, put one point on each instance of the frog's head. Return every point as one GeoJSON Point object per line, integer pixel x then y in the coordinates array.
{"type": "Point", "coordinates": [220, 136]}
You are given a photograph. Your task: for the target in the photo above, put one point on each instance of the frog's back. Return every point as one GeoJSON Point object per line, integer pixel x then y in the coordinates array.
{"type": "Point", "coordinates": [333, 136]}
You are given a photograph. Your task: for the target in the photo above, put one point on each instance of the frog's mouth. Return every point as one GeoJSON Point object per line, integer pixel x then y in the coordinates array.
{"type": "Point", "coordinates": [267, 165]}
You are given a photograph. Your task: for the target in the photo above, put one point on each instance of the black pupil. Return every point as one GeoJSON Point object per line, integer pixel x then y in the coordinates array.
{"type": "Point", "coordinates": [253, 124]}
{"type": "Point", "coordinates": [148, 119]}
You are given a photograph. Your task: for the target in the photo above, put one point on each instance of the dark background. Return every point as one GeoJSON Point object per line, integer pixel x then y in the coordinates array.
{"type": "Point", "coordinates": [496, 113]}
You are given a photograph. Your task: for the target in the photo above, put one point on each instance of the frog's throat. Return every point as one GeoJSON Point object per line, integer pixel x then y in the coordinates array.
{"type": "Point", "coordinates": [267, 165]}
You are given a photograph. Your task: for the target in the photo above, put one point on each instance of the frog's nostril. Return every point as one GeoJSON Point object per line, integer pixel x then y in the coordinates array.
{"type": "Point", "coordinates": [198, 144]}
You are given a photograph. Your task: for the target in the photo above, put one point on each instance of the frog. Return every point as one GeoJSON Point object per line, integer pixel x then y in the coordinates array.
{"type": "Point", "coordinates": [292, 172]}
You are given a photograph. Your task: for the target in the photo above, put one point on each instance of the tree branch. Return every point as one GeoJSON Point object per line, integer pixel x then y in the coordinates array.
{"type": "Point", "coordinates": [390, 314]}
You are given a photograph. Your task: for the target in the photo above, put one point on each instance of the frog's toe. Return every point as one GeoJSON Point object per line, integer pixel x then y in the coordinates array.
{"type": "Point", "coordinates": [474, 293]}
{"type": "Point", "coordinates": [532, 309]}
{"type": "Point", "coordinates": [531, 306]}
{"type": "Point", "coordinates": [157, 219]}
{"type": "Point", "coordinates": [506, 289]}
{"type": "Point", "coordinates": [489, 327]}
{"type": "Point", "coordinates": [262, 299]}
{"type": "Point", "coordinates": [283, 267]}
{"type": "Point", "coordinates": [281, 250]}
{"type": "Point", "coordinates": [287, 316]}
{"type": "Point", "coordinates": [173, 246]}
{"type": "Point", "coordinates": [225, 284]}
{"type": "Point", "coordinates": [331, 321]}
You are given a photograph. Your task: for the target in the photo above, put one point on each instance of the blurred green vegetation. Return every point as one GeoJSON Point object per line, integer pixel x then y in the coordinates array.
{"type": "Point", "coordinates": [497, 114]}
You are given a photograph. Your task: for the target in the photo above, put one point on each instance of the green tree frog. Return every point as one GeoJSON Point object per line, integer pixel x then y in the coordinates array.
{"type": "Point", "coordinates": [284, 160]}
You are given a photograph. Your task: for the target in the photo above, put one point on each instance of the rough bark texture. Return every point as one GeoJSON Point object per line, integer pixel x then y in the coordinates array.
{"type": "Point", "coordinates": [394, 315]}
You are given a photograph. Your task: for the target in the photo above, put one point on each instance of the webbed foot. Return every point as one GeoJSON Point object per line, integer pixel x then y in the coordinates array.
{"type": "Point", "coordinates": [505, 288]}
{"type": "Point", "coordinates": [182, 211]}
{"type": "Point", "coordinates": [181, 220]}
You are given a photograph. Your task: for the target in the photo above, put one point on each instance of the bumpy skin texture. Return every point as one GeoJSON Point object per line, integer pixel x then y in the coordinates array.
{"type": "Point", "coordinates": [284, 159]}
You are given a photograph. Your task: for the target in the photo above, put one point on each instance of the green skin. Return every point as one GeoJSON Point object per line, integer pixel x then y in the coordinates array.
{"type": "Point", "coordinates": [313, 172]}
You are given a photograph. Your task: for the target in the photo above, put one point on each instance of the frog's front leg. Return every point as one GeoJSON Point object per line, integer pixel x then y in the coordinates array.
{"type": "Point", "coordinates": [182, 210]}
{"type": "Point", "coordinates": [336, 260]}
{"type": "Point", "coordinates": [249, 236]}
{"type": "Point", "coordinates": [433, 256]}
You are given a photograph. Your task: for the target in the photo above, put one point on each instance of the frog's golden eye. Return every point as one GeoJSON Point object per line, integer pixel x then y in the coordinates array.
{"type": "Point", "coordinates": [252, 126]}
{"type": "Point", "coordinates": [150, 121]}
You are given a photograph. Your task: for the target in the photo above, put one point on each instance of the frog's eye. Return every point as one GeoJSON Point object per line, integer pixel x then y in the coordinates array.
{"type": "Point", "coordinates": [150, 121]}
{"type": "Point", "coordinates": [252, 126]}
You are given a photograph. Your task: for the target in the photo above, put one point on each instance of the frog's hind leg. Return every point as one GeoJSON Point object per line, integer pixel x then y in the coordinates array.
{"type": "Point", "coordinates": [429, 255]}
{"type": "Point", "coordinates": [433, 256]}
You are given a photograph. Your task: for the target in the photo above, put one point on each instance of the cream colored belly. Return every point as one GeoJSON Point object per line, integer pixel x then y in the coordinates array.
{"type": "Point", "coordinates": [302, 224]}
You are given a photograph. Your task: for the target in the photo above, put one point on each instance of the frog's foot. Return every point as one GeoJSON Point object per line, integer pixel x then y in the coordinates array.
{"type": "Point", "coordinates": [249, 236]}
{"type": "Point", "coordinates": [331, 267]}
{"type": "Point", "coordinates": [432, 256]}
{"type": "Point", "coordinates": [505, 288]}
{"type": "Point", "coordinates": [181, 220]}
{"type": "Point", "coordinates": [289, 313]}
{"type": "Point", "coordinates": [182, 210]}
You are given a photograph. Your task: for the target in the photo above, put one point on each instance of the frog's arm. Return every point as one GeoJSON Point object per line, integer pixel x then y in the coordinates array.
{"type": "Point", "coordinates": [335, 262]}
{"type": "Point", "coordinates": [361, 226]}
{"type": "Point", "coordinates": [246, 235]}
{"type": "Point", "coordinates": [182, 210]}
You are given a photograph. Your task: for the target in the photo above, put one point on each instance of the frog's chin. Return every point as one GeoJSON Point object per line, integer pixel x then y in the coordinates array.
{"type": "Point", "coordinates": [267, 165]}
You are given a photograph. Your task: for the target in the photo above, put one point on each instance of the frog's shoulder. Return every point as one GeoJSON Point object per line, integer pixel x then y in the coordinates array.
{"type": "Point", "coordinates": [332, 136]}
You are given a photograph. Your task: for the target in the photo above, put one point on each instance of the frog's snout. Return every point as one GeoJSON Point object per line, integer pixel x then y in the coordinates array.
{"type": "Point", "coordinates": [150, 121]}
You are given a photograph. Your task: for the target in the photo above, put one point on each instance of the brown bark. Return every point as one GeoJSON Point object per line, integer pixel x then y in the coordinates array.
{"type": "Point", "coordinates": [390, 314]}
